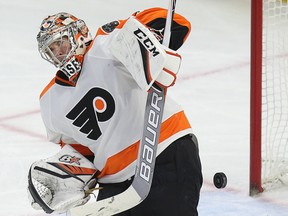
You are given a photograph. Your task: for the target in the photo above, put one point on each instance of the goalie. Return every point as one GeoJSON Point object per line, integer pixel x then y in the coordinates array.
{"type": "Point", "coordinates": [94, 108]}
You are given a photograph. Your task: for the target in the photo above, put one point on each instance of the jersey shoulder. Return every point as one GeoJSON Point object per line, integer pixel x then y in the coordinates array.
{"type": "Point", "coordinates": [110, 27]}
{"type": "Point", "coordinates": [47, 87]}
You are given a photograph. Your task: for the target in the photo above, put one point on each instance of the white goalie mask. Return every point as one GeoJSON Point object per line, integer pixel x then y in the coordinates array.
{"type": "Point", "coordinates": [62, 41]}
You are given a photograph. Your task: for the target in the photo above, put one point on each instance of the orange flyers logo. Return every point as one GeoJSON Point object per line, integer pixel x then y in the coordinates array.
{"type": "Point", "coordinates": [96, 106]}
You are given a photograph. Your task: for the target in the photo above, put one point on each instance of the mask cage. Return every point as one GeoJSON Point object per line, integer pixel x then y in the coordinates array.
{"type": "Point", "coordinates": [66, 33]}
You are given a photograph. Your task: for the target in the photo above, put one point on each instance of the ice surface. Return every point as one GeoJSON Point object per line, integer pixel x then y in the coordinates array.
{"type": "Point", "coordinates": [213, 87]}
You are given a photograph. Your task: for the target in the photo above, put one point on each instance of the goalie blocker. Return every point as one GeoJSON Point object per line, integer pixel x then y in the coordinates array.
{"type": "Point", "coordinates": [144, 57]}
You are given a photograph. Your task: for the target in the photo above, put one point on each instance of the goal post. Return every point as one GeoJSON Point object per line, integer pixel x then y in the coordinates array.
{"type": "Point", "coordinates": [255, 97]}
{"type": "Point", "coordinates": [269, 95]}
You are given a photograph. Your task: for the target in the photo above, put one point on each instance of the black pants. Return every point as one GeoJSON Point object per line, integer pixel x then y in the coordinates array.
{"type": "Point", "coordinates": [176, 183]}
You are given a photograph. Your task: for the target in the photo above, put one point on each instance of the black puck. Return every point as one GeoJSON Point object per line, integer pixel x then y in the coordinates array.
{"type": "Point", "coordinates": [220, 180]}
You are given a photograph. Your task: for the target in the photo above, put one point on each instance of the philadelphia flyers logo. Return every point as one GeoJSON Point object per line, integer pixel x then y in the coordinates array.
{"type": "Point", "coordinates": [97, 105]}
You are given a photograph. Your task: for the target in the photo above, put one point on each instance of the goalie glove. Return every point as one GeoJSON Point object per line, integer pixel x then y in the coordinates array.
{"type": "Point", "coordinates": [59, 183]}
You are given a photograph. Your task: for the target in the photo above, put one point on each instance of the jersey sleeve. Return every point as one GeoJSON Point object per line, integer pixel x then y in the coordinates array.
{"type": "Point", "coordinates": [155, 20]}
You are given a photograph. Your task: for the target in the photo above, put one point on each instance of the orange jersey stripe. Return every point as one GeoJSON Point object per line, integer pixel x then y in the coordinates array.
{"type": "Point", "coordinates": [85, 151]}
{"type": "Point", "coordinates": [75, 170]}
{"type": "Point", "coordinates": [173, 125]}
{"type": "Point", "coordinates": [119, 161]}
{"type": "Point", "coordinates": [52, 82]}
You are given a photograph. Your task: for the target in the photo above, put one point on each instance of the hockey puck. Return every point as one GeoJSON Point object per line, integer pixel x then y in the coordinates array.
{"type": "Point", "coordinates": [220, 180]}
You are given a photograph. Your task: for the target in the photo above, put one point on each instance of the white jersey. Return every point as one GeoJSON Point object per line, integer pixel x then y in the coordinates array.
{"type": "Point", "coordinates": [105, 112]}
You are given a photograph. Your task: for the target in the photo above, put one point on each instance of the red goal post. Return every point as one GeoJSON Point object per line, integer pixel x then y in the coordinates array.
{"type": "Point", "coordinates": [269, 95]}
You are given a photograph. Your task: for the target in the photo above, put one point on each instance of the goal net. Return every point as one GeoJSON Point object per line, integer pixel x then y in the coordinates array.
{"type": "Point", "coordinates": [269, 108]}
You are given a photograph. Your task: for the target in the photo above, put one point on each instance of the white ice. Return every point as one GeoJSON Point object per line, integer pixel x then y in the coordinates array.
{"type": "Point", "coordinates": [213, 87]}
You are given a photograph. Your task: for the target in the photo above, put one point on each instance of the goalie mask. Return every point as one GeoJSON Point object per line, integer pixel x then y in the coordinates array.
{"type": "Point", "coordinates": [62, 41]}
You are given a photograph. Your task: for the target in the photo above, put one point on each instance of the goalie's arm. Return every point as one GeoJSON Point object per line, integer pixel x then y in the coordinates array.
{"type": "Point", "coordinates": [143, 55]}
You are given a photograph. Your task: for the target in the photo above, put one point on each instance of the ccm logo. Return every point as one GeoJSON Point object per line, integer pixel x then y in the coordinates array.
{"type": "Point", "coordinates": [145, 40]}
{"type": "Point", "coordinates": [151, 137]}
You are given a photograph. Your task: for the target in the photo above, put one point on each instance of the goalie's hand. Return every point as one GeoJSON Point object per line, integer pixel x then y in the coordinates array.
{"type": "Point", "coordinates": [167, 77]}
{"type": "Point", "coordinates": [59, 183]}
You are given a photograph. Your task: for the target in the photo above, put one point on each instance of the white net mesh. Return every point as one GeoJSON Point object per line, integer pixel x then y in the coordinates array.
{"type": "Point", "coordinates": [275, 94]}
